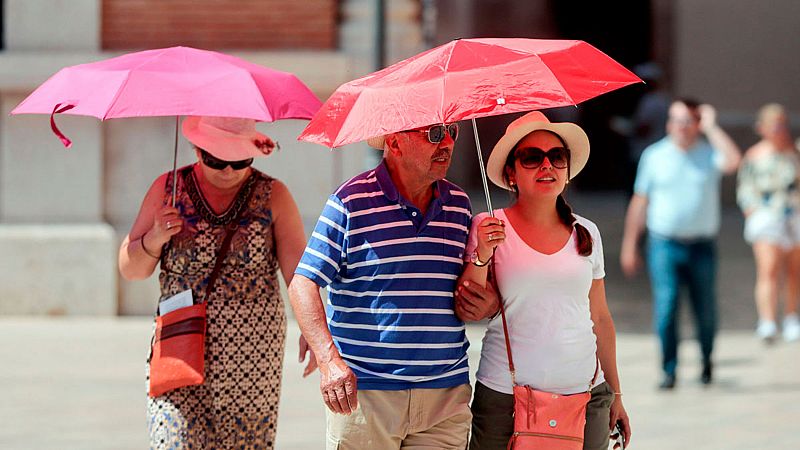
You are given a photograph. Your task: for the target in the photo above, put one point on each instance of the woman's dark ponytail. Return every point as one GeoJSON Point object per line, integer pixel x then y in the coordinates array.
{"type": "Point", "coordinates": [564, 211]}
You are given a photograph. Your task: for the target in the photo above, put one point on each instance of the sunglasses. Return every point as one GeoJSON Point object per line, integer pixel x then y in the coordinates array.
{"type": "Point", "coordinates": [220, 164]}
{"type": "Point", "coordinates": [437, 133]}
{"type": "Point", "coordinates": [533, 157]}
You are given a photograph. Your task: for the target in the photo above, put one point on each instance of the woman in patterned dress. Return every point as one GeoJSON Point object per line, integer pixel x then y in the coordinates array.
{"type": "Point", "coordinates": [237, 405]}
{"type": "Point", "coordinates": [769, 195]}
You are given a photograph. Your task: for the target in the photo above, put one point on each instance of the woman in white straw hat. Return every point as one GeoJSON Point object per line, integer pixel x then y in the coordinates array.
{"type": "Point", "coordinates": [218, 196]}
{"type": "Point", "coordinates": [548, 266]}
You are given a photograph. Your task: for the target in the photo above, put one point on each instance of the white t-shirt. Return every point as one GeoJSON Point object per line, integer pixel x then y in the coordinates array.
{"type": "Point", "coordinates": [546, 298]}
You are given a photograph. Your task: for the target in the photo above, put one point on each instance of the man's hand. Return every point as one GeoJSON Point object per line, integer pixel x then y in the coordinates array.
{"type": "Point", "coordinates": [731, 153]}
{"type": "Point", "coordinates": [312, 360]}
{"type": "Point", "coordinates": [474, 302]}
{"type": "Point", "coordinates": [635, 218]}
{"type": "Point", "coordinates": [338, 386]}
{"type": "Point", "coordinates": [708, 118]}
{"type": "Point", "coordinates": [631, 261]}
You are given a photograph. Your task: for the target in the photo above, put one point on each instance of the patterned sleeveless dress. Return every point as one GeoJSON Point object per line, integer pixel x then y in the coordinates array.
{"type": "Point", "coordinates": [237, 406]}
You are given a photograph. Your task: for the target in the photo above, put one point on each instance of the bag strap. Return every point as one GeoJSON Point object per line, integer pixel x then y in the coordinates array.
{"type": "Point", "coordinates": [511, 359]}
{"type": "Point", "coordinates": [230, 230]}
{"type": "Point", "coordinates": [508, 344]}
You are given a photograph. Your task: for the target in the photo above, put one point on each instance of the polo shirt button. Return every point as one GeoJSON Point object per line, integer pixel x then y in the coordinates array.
{"type": "Point", "coordinates": [414, 213]}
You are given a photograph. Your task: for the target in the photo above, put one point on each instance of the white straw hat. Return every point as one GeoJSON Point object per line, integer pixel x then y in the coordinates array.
{"type": "Point", "coordinates": [573, 136]}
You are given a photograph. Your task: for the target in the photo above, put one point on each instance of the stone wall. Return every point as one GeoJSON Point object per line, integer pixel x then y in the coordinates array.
{"type": "Point", "coordinates": [57, 269]}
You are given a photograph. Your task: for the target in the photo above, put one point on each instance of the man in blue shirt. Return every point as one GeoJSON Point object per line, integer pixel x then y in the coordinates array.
{"type": "Point", "coordinates": [389, 247]}
{"type": "Point", "coordinates": [676, 198]}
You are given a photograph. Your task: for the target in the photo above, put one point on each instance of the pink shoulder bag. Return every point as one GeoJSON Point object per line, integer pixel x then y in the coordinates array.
{"type": "Point", "coordinates": [544, 419]}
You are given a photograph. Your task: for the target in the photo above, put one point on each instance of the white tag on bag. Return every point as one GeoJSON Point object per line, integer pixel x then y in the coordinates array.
{"type": "Point", "coordinates": [177, 301]}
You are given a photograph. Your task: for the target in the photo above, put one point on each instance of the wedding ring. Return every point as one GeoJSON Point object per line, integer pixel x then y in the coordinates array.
{"type": "Point", "coordinates": [169, 225]}
{"type": "Point", "coordinates": [491, 236]}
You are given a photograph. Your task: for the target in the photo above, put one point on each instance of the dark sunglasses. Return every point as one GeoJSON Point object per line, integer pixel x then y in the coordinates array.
{"type": "Point", "coordinates": [533, 157]}
{"type": "Point", "coordinates": [436, 133]}
{"type": "Point", "coordinates": [220, 164]}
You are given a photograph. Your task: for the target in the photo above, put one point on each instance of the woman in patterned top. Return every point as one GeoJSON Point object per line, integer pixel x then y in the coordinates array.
{"type": "Point", "coordinates": [237, 405]}
{"type": "Point", "coordinates": [769, 195]}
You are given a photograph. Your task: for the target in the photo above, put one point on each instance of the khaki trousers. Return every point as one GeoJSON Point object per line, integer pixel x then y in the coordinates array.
{"type": "Point", "coordinates": [413, 419]}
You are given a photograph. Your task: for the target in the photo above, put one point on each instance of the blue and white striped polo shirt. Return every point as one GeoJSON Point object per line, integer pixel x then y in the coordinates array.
{"type": "Point", "coordinates": [390, 271]}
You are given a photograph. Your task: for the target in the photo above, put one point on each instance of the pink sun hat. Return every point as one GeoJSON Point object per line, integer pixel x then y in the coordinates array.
{"type": "Point", "coordinates": [227, 138]}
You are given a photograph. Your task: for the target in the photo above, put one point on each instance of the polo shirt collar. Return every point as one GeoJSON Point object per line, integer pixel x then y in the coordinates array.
{"type": "Point", "coordinates": [386, 184]}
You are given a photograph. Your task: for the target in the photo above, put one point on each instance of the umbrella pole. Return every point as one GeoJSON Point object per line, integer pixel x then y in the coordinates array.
{"type": "Point", "coordinates": [175, 162]}
{"type": "Point", "coordinates": [483, 169]}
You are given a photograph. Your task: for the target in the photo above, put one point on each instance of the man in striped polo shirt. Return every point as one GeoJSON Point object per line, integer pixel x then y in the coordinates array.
{"type": "Point", "coordinates": [389, 248]}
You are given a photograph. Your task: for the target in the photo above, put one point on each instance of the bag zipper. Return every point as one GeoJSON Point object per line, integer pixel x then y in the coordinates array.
{"type": "Point", "coordinates": [546, 435]}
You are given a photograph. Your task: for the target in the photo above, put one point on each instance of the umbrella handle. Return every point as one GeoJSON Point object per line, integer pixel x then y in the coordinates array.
{"type": "Point", "coordinates": [175, 162]}
{"type": "Point", "coordinates": [483, 169]}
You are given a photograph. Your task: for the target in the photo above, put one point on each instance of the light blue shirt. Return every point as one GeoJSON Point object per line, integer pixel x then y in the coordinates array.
{"type": "Point", "coordinates": [682, 188]}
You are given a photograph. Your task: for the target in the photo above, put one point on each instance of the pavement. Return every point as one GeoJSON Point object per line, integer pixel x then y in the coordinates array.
{"type": "Point", "coordinates": [78, 382]}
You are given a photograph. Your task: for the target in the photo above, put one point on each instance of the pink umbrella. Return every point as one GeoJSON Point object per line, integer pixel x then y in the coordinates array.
{"type": "Point", "coordinates": [176, 81]}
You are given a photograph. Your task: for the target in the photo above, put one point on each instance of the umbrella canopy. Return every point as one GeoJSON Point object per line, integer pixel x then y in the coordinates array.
{"type": "Point", "coordinates": [176, 81]}
{"type": "Point", "coordinates": [466, 79]}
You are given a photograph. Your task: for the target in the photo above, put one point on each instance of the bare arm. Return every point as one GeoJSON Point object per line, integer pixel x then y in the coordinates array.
{"type": "Point", "coordinates": [747, 192]}
{"type": "Point", "coordinates": [475, 274]}
{"type": "Point", "coordinates": [719, 139]}
{"type": "Point", "coordinates": [469, 304]}
{"type": "Point", "coordinates": [475, 298]}
{"type": "Point", "coordinates": [290, 242]}
{"type": "Point", "coordinates": [337, 380]}
{"type": "Point", "coordinates": [607, 352]}
{"type": "Point", "coordinates": [605, 332]}
{"type": "Point", "coordinates": [139, 252]}
{"type": "Point", "coordinates": [290, 239]}
{"type": "Point", "coordinates": [635, 221]}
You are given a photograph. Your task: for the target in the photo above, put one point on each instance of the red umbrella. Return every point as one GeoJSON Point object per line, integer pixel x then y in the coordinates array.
{"type": "Point", "coordinates": [466, 79]}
